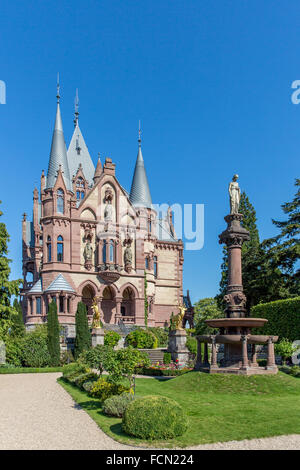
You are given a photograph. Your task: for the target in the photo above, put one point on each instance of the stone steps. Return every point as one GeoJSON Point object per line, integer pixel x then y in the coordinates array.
{"type": "Point", "coordinates": [155, 355]}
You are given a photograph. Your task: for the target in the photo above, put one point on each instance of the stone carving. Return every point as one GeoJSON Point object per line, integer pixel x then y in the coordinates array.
{"type": "Point", "coordinates": [88, 251]}
{"type": "Point", "coordinates": [96, 323]}
{"type": "Point", "coordinates": [235, 298]}
{"type": "Point", "coordinates": [234, 194]}
{"type": "Point", "coordinates": [128, 255]}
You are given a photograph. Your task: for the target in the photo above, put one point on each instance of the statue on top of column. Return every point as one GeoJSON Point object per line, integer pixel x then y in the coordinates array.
{"type": "Point", "coordinates": [234, 195]}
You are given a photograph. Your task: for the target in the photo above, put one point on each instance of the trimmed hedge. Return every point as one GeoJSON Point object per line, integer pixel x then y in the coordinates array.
{"type": "Point", "coordinates": [154, 417]}
{"type": "Point", "coordinates": [283, 318]}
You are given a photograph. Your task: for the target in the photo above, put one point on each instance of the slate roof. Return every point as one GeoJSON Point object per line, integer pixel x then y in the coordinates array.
{"type": "Point", "coordinates": [37, 288]}
{"type": "Point", "coordinates": [140, 193]}
{"type": "Point", "coordinates": [59, 284]}
{"type": "Point", "coordinates": [58, 154]}
{"type": "Point", "coordinates": [78, 153]}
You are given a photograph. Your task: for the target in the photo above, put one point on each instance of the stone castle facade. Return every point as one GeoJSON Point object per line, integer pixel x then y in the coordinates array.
{"type": "Point", "coordinates": [90, 240]}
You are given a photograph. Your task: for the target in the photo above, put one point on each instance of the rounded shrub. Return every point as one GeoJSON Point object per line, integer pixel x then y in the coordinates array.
{"type": "Point", "coordinates": [111, 338]}
{"type": "Point", "coordinates": [117, 404]}
{"type": "Point", "coordinates": [167, 358]}
{"type": "Point", "coordinates": [154, 417]}
{"type": "Point", "coordinates": [142, 339]}
{"type": "Point", "coordinates": [73, 370]}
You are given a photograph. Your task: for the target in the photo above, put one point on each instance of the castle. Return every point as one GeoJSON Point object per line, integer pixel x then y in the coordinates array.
{"type": "Point", "coordinates": [91, 239]}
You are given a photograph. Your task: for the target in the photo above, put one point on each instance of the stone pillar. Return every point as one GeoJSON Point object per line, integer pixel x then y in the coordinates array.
{"type": "Point", "coordinates": [28, 306]}
{"type": "Point", "coordinates": [177, 346]}
{"type": "Point", "coordinates": [254, 356]}
{"type": "Point", "coordinates": [245, 362]}
{"type": "Point", "coordinates": [271, 355]}
{"type": "Point", "coordinates": [206, 361]}
{"type": "Point", "coordinates": [33, 306]}
{"type": "Point", "coordinates": [213, 352]}
{"type": "Point", "coordinates": [97, 336]}
{"type": "Point", "coordinates": [65, 304]}
{"type": "Point", "coordinates": [118, 309]}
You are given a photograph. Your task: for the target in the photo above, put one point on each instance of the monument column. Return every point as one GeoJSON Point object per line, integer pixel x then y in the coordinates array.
{"type": "Point", "coordinates": [245, 351]}
{"type": "Point", "coordinates": [213, 352]}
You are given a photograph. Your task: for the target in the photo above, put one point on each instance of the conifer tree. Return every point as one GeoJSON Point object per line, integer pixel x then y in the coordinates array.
{"type": "Point", "coordinates": [7, 288]}
{"type": "Point", "coordinates": [283, 250]}
{"type": "Point", "coordinates": [83, 335]}
{"type": "Point", "coordinates": [18, 327]}
{"type": "Point", "coordinates": [53, 335]}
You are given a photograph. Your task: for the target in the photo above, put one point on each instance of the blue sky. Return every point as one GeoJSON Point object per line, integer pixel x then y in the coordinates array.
{"type": "Point", "coordinates": [210, 82]}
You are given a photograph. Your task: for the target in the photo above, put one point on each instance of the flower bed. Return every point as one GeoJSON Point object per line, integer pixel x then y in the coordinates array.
{"type": "Point", "coordinates": [165, 370]}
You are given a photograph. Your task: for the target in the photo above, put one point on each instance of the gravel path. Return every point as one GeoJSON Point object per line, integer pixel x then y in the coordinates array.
{"type": "Point", "coordinates": [37, 413]}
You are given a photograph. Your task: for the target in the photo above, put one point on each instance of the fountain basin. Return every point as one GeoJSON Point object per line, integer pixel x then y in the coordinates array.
{"type": "Point", "coordinates": [236, 322]}
{"type": "Point", "coordinates": [234, 339]}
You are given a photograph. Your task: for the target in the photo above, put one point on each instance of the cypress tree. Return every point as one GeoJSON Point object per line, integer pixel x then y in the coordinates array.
{"type": "Point", "coordinates": [83, 335]}
{"type": "Point", "coordinates": [53, 335]}
{"type": "Point", "coordinates": [18, 327]}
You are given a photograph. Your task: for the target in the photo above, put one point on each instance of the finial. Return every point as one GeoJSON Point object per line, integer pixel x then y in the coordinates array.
{"type": "Point", "coordinates": [140, 133]}
{"type": "Point", "coordinates": [57, 88]}
{"type": "Point", "coordinates": [76, 103]}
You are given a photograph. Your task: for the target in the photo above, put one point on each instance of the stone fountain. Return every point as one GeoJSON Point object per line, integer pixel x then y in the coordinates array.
{"type": "Point", "coordinates": [240, 345]}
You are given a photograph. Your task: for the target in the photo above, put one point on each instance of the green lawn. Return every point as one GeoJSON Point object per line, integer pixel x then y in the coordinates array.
{"type": "Point", "coordinates": [28, 370]}
{"type": "Point", "coordinates": [219, 407]}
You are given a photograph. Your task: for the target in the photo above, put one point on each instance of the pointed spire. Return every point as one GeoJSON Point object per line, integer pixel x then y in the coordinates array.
{"type": "Point", "coordinates": [140, 193]}
{"type": "Point", "coordinates": [58, 153]}
{"type": "Point", "coordinates": [76, 104]}
{"type": "Point", "coordinates": [98, 171]}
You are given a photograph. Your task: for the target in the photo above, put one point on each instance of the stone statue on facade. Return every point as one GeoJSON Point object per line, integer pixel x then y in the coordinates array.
{"type": "Point", "coordinates": [128, 255]}
{"type": "Point", "coordinates": [88, 251]}
{"type": "Point", "coordinates": [108, 212]}
{"type": "Point", "coordinates": [234, 195]}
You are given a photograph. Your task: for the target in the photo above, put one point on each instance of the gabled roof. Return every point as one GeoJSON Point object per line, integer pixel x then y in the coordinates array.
{"type": "Point", "coordinates": [140, 193]}
{"type": "Point", "coordinates": [59, 284]}
{"type": "Point", "coordinates": [58, 154]}
{"type": "Point", "coordinates": [78, 153]}
{"type": "Point", "coordinates": [37, 288]}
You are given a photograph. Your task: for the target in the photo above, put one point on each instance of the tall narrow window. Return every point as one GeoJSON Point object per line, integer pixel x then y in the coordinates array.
{"type": "Point", "coordinates": [60, 201]}
{"type": "Point", "coordinates": [111, 251]}
{"type": "Point", "coordinates": [61, 304]}
{"type": "Point", "coordinates": [155, 266]}
{"type": "Point", "coordinates": [60, 249]}
{"type": "Point", "coordinates": [147, 262]}
{"type": "Point", "coordinates": [38, 305]}
{"type": "Point", "coordinates": [104, 252]}
{"type": "Point", "coordinates": [49, 249]}
{"type": "Point", "coordinates": [149, 225]}
{"type": "Point", "coordinates": [79, 189]}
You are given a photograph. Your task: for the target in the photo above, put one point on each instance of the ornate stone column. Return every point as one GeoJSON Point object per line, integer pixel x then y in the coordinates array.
{"type": "Point", "coordinates": [29, 312]}
{"type": "Point", "coordinates": [199, 355]}
{"type": "Point", "coordinates": [234, 237]}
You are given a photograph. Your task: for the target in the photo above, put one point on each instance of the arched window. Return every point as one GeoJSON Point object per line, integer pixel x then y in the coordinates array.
{"type": "Point", "coordinates": [80, 189]}
{"type": "Point", "coordinates": [104, 252]}
{"type": "Point", "coordinates": [80, 182]}
{"type": "Point", "coordinates": [60, 201]}
{"type": "Point", "coordinates": [49, 249]}
{"type": "Point", "coordinates": [111, 251]}
{"type": "Point", "coordinates": [155, 266]}
{"type": "Point", "coordinates": [60, 248]}
{"type": "Point", "coordinates": [61, 304]}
